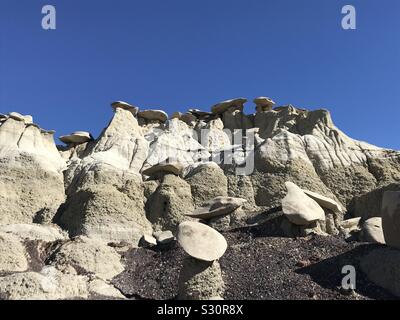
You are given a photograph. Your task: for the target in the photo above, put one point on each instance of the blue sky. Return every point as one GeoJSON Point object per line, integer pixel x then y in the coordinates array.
{"type": "Point", "coordinates": [178, 54]}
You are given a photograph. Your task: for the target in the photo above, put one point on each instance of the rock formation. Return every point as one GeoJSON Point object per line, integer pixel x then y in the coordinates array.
{"type": "Point", "coordinates": [68, 213]}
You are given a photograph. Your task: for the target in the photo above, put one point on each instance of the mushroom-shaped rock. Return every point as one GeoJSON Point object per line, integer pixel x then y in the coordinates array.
{"type": "Point", "coordinates": [126, 106]}
{"type": "Point", "coordinates": [391, 218]}
{"type": "Point", "coordinates": [175, 168]}
{"type": "Point", "coordinates": [227, 104]}
{"type": "Point", "coordinates": [77, 137]}
{"type": "Point", "coordinates": [188, 118]}
{"type": "Point", "coordinates": [153, 115]}
{"type": "Point", "coordinates": [19, 117]}
{"type": "Point", "coordinates": [325, 202]}
{"type": "Point", "coordinates": [216, 207]}
{"type": "Point", "coordinates": [299, 208]}
{"type": "Point", "coordinates": [263, 104]}
{"type": "Point", "coordinates": [201, 115]}
{"type": "Point", "coordinates": [201, 241]}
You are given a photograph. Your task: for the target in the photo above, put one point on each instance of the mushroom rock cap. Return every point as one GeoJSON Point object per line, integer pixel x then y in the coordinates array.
{"type": "Point", "coordinates": [19, 117]}
{"type": "Point", "coordinates": [264, 102]}
{"type": "Point", "coordinates": [325, 202]}
{"type": "Point", "coordinates": [47, 131]}
{"type": "Point", "coordinates": [201, 115]}
{"type": "Point", "coordinates": [157, 115]}
{"type": "Point", "coordinates": [173, 167]}
{"type": "Point", "coordinates": [225, 105]}
{"type": "Point", "coordinates": [188, 118]}
{"type": "Point", "coordinates": [201, 241]}
{"type": "Point", "coordinates": [126, 106]}
{"type": "Point", "coordinates": [77, 137]}
{"type": "Point", "coordinates": [216, 207]}
{"type": "Point", "coordinates": [299, 208]}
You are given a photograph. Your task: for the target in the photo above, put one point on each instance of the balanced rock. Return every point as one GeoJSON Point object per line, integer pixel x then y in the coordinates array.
{"type": "Point", "coordinates": [299, 208]}
{"type": "Point", "coordinates": [391, 218]}
{"type": "Point", "coordinates": [263, 104]}
{"type": "Point", "coordinates": [200, 241]}
{"type": "Point", "coordinates": [201, 115]}
{"type": "Point", "coordinates": [126, 106]}
{"type": "Point", "coordinates": [175, 168]}
{"type": "Point", "coordinates": [223, 106]}
{"type": "Point", "coordinates": [77, 137]}
{"type": "Point", "coordinates": [153, 115]}
{"type": "Point", "coordinates": [371, 231]}
{"type": "Point", "coordinates": [188, 118]}
{"type": "Point", "coordinates": [325, 202]}
{"type": "Point", "coordinates": [216, 207]}
{"type": "Point", "coordinates": [19, 117]}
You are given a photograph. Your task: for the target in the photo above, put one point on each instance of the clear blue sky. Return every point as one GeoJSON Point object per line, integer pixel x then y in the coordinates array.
{"type": "Point", "coordinates": [177, 54]}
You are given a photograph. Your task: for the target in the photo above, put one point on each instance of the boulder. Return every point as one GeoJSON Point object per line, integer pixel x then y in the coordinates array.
{"type": "Point", "coordinates": [371, 231]}
{"type": "Point", "coordinates": [164, 237]}
{"type": "Point", "coordinates": [49, 284]}
{"type": "Point", "coordinates": [227, 104]}
{"type": "Point", "coordinates": [32, 232]}
{"type": "Point", "coordinates": [299, 208]}
{"type": "Point", "coordinates": [88, 256]}
{"type": "Point", "coordinates": [19, 117]}
{"type": "Point", "coordinates": [77, 137]}
{"type": "Point", "coordinates": [263, 104]}
{"type": "Point", "coordinates": [325, 202]}
{"type": "Point", "coordinates": [153, 115]}
{"type": "Point", "coordinates": [200, 241]}
{"type": "Point", "coordinates": [164, 168]}
{"type": "Point", "coordinates": [216, 207]}
{"type": "Point", "coordinates": [126, 106]}
{"type": "Point", "coordinates": [188, 118]}
{"type": "Point", "coordinates": [391, 218]}
{"type": "Point", "coordinates": [351, 224]}
{"type": "Point", "coordinates": [13, 256]}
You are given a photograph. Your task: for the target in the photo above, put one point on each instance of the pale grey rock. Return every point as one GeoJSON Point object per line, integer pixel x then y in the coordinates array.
{"type": "Point", "coordinates": [200, 241]}
{"type": "Point", "coordinates": [90, 257]}
{"type": "Point", "coordinates": [98, 287]}
{"type": "Point", "coordinates": [351, 224]}
{"type": "Point", "coordinates": [47, 233]}
{"type": "Point", "coordinates": [299, 208]}
{"type": "Point", "coordinates": [19, 117]}
{"type": "Point", "coordinates": [49, 284]}
{"type": "Point", "coordinates": [13, 256]}
{"type": "Point", "coordinates": [391, 218]}
{"type": "Point", "coordinates": [325, 202]}
{"type": "Point", "coordinates": [29, 165]}
{"type": "Point", "coordinates": [228, 104]}
{"type": "Point", "coordinates": [206, 181]}
{"type": "Point", "coordinates": [126, 106]}
{"type": "Point", "coordinates": [263, 104]}
{"type": "Point", "coordinates": [216, 207]}
{"type": "Point", "coordinates": [164, 168]}
{"type": "Point", "coordinates": [167, 206]}
{"type": "Point", "coordinates": [200, 280]}
{"type": "Point", "coordinates": [77, 137]}
{"type": "Point", "coordinates": [153, 115]}
{"type": "Point", "coordinates": [148, 241]}
{"type": "Point", "coordinates": [371, 231]}
{"type": "Point", "coordinates": [164, 237]}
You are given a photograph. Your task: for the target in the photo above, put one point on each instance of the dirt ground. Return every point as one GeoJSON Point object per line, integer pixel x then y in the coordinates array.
{"type": "Point", "coordinates": [257, 266]}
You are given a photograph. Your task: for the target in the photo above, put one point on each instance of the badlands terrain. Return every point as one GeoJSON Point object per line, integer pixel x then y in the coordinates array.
{"type": "Point", "coordinates": [200, 205]}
